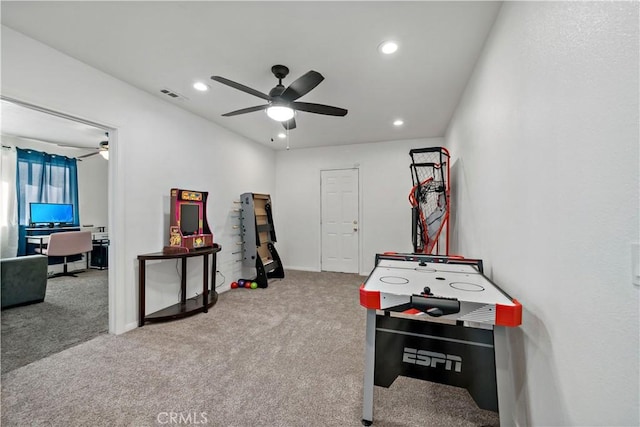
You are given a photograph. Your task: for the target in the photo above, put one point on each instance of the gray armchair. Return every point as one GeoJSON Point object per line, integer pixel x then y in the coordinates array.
{"type": "Point", "coordinates": [23, 279]}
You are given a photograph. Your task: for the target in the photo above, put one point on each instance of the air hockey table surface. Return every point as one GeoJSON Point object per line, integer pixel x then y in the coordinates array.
{"type": "Point", "coordinates": [436, 318]}
{"type": "Point", "coordinates": [411, 285]}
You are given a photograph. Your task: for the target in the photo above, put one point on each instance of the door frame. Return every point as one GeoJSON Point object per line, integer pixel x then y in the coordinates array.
{"type": "Point", "coordinates": [360, 205]}
{"type": "Point", "coordinates": [115, 201]}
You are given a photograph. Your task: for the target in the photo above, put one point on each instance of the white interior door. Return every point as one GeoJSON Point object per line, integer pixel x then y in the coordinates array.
{"type": "Point", "coordinates": [340, 224]}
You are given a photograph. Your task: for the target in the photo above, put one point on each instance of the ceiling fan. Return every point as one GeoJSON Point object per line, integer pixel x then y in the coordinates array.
{"type": "Point", "coordinates": [103, 149]}
{"type": "Point", "coordinates": [282, 101]}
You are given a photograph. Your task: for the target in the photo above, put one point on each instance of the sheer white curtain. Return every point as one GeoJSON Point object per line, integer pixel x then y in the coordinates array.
{"type": "Point", "coordinates": [9, 205]}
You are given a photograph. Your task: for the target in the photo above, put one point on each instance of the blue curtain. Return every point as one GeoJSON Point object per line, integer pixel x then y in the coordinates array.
{"type": "Point", "coordinates": [45, 178]}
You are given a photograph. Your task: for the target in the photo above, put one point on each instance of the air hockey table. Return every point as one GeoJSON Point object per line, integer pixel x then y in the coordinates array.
{"type": "Point", "coordinates": [434, 318]}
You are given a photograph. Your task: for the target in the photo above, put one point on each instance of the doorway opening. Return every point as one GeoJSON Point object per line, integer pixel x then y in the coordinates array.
{"type": "Point", "coordinates": [75, 309]}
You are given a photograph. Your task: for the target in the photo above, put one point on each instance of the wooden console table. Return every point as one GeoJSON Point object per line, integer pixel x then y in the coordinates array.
{"type": "Point", "coordinates": [185, 307]}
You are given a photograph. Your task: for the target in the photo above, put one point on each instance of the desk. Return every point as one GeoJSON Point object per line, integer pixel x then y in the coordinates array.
{"type": "Point", "coordinates": [433, 318]}
{"type": "Point", "coordinates": [40, 241]}
{"type": "Point", "coordinates": [185, 307]}
{"type": "Point", "coordinates": [43, 240]}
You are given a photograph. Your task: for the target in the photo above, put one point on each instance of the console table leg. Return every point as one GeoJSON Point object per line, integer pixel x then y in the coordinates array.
{"type": "Point", "coordinates": [141, 286]}
{"type": "Point", "coordinates": [183, 282]}
{"type": "Point", "coordinates": [214, 270]}
{"type": "Point", "coordinates": [205, 284]}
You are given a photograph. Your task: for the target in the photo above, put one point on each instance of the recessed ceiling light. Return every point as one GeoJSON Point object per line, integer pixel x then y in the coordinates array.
{"type": "Point", "coordinates": [398, 122]}
{"type": "Point", "coordinates": [282, 135]}
{"type": "Point", "coordinates": [388, 47]}
{"type": "Point", "coordinates": [200, 86]}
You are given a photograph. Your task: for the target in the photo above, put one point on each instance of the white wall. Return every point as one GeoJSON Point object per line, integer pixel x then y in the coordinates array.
{"type": "Point", "coordinates": [385, 214]}
{"type": "Point", "coordinates": [545, 181]}
{"type": "Point", "coordinates": [93, 188]}
{"type": "Point", "coordinates": [157, 146]}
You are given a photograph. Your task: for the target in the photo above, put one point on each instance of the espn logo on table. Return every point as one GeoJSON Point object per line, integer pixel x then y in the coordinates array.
{"type": "Point", "coordinates": [432, 359]}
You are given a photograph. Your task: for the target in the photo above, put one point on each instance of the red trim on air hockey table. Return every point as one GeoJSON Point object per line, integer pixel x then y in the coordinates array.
{"type": "Point", "coordinates": [369, 299]}
{"type": "Point", "coordinates": [509, 315]}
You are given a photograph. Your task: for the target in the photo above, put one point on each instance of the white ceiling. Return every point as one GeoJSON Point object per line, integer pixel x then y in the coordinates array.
{"type": "Point", "coordinates": [157, 45]}
{"type": "Point", "coordinates": [23, 122]}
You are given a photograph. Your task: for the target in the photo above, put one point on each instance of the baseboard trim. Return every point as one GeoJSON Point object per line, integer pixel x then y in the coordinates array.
{"type": "Point", "coordinates": [128, 327]}
{"type": "Point", "coordinates": [292, 267]}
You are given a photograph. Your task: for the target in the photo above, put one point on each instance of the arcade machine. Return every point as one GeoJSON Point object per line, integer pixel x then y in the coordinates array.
{"type": "Point", "coordinates": [429, 198]}
{"type": "Point", "coordinates": [188, 228]}
{"type": "Point", "coordinates": [258, 238]}
{"type": "Point", "coordinates": [189, 237]}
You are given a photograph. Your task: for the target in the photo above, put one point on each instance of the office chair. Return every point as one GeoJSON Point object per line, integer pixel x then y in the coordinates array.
{"type": "Point", "coordinates": [67, 243]}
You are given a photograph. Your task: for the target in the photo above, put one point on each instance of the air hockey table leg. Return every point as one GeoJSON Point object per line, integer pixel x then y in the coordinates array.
{"type": "Point", "coordinates": [369, 367]}
{"type": "Point", "coordinates": [504, 377]}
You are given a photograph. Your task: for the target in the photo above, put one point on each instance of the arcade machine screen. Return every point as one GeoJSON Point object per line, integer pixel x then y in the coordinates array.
{"type": "Point", "coordinates": [189, 219]}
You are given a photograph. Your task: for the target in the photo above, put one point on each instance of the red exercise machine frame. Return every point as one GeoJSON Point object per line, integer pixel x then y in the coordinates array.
{"type": "Point", "coordinates": [430, 200]}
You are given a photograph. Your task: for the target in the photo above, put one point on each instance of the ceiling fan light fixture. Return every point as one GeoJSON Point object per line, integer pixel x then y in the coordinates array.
{"type": "Point", "coordinates": [388, 47]}
{"type": "Point", "coordinates": [105, 154]}
{"type": "Point", "coordinates": [281, 103]}
{"type": "Point", "coordinates": [280, 113]}
{"type": "Point", "coordinates": [202, 87]}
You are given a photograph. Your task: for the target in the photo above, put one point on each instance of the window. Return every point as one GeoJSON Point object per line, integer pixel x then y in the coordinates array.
{"type": "Point", "coordinates": [45, 178]}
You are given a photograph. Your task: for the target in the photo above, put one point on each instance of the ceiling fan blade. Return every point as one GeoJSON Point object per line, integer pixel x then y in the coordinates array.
{"type": "Point", "coordinates": [246, 110]}
{"type": "Point", "coordinates": [302, 86]}
{"type": "Point", "coordinates": [241, 87]}
{"type": "Point", "coordinates": [84, 156]}
{"type": "Point", "coordinates": [290, 124]}
{"type": "Point", "coordinates": [327, 110]}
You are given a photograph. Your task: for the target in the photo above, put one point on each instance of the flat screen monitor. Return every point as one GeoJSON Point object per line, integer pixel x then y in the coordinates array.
{"type": "Point", "coordinates": [189, 218]}
{"type": "Point", "coordinates": [51, 213]}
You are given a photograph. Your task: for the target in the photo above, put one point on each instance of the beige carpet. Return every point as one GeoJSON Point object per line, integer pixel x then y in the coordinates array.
{"type": "Point", "coordinates": [288, 355]}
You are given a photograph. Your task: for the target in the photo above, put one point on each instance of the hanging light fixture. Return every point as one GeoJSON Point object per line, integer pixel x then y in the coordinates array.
{"type": "Point", "coordinates": [388, 47]}
{"type": "Point", "coordinates": [280, 113]}
{"type": "Point", "coordinates": [104, 147]}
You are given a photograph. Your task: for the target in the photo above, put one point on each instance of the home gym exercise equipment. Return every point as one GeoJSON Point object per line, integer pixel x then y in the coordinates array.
{"type": "Point", "coordinates": [429, 199]}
